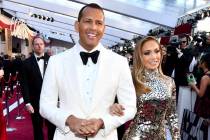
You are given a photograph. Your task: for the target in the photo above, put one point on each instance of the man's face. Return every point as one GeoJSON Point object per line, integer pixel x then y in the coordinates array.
{"type": "Point", "coordinates": [38, 46]}
{"type": "Point", "coordinates": [183, 42]}
{"type": "Point", "coordinates": [91, 27]}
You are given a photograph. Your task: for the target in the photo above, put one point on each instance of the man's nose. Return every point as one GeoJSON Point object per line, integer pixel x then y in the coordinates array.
{"type": "Point", "coordinates": [93, 26]}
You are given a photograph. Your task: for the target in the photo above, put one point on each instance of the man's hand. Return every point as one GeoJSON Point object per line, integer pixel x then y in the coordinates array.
{"type": "Point", "coordinates": [29, 108]}
{"type": "Point", "coordinates": [79, 126]}
{"type": "Point", "coordinates": [94, 125]}
{"type": "Point", "coordinates": [83, 127]}
{"type": "Point", "coordinates": [179, 52]}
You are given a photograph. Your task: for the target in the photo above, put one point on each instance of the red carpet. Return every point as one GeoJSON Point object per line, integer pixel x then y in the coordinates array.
{"type": "Point", "coordinates": [23, 127]}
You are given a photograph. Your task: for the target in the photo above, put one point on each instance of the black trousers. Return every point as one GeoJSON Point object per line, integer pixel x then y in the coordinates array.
{"type": "Point", "coordinates": [120, 131]}
{"type": "Point", "coordinates": [38, 123]}
{"type": "Point", "coordinates": [51, 129]}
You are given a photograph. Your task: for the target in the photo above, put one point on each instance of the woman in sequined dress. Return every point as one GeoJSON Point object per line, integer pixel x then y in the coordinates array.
{"type": "Point", "coordinates": [156, 99]}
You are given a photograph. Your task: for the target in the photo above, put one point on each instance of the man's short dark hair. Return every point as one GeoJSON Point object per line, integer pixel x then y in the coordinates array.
{"type": "Point", "coordinates": [92, 5]}
{"type": "Point", "coordinates": [38, 36]}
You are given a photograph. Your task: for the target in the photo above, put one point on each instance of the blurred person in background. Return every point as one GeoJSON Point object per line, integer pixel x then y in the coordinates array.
{"type": "Point", "coordinates": [202, 104]}
{"type": "Point", "coordinates": [31, 77]}
{"type": "Point", "coordinates": [184, 66]}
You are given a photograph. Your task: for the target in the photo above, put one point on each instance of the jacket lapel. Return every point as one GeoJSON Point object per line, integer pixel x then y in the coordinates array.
{"type": "Point", "coordinates": [72, 69]}
{"type": "Point", "coordinates": [102, 61]}
{"type": "Point", "coordinates": [35, 66]}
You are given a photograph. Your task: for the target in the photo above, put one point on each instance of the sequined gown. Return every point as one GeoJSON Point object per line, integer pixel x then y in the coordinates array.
{"type": "Point", "coordinates": [154, 110]}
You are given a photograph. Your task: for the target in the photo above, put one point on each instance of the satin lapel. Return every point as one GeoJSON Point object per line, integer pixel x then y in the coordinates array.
{"type": "Point", "coordinates": [102, 61]}
{"type": "Point", "coordinates": [72, 68]}
{"type": "Point", "coordinates": [35, 66]}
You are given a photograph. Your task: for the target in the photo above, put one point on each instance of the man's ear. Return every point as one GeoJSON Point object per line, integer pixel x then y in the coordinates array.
{"type": "Point", "coordinates": [76, 26]}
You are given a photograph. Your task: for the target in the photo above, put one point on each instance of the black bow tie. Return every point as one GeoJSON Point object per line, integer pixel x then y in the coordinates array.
{"type": "Point", "coordinates": [38, 58]}
{"type": "Point", "coordinates": [94, 56]}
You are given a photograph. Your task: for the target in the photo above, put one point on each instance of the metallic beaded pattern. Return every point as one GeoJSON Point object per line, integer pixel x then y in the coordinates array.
{"type": "Point", "coordinates": [154, 110]}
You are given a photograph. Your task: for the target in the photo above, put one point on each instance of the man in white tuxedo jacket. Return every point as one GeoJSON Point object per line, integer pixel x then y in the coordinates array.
{"type": "Point", "coordinates": [86, 79]}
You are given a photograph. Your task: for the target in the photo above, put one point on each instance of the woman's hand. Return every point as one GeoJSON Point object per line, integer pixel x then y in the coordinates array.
{"type": "Point", "coordinates": [116, 110]}
{"type": "Point", "coordinates": [191, 84]}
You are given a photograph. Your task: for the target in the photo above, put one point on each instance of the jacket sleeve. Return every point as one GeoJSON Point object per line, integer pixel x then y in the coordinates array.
{"type": "Point", "coordinates": [24, 80]}
{"type": "Point", "coordinates": [126, 96]}
{"type": "Point", "coordinates": [49, 98]}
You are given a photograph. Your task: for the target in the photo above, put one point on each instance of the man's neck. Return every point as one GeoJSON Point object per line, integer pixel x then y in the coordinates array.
{"type": "Point", "coordinates": [38, 55]}
{"type": "Point", "coordinates": [88, 49]}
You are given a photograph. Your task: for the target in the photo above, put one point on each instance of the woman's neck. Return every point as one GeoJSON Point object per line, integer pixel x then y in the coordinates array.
{"type": "Point", "coordinates": [151, 70]}
{"type": "Point", "coordinates": [150, 74]}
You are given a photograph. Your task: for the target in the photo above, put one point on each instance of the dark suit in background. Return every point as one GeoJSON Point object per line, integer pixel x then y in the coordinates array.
{"type": "Point", "coordinates": [182, 67]}
{"type": "Point", "coordinates": [31, 84]}
{"type": "Point", "coordinates": [7, 66]}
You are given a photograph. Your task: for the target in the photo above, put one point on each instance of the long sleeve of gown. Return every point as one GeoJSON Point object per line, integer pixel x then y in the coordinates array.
{"type": "Point", "coordinates": [171, 115]}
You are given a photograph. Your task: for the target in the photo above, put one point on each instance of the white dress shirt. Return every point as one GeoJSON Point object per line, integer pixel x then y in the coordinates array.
{"type": "Point", "coordinates": [87, 75]}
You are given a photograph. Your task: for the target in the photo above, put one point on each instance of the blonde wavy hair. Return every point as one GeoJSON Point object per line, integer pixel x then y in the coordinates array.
{"type": "Point", "coordinates": [138, 65]}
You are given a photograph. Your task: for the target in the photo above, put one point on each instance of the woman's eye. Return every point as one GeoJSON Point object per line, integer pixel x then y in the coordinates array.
{"type": "Point", "coordinates": [157, 51]}
{"type": "Point", "coordinates": [146, 53]}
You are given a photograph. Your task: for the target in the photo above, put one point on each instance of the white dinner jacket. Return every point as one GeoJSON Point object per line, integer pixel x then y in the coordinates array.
{"type": "Point", "coordinates": [62, 80]}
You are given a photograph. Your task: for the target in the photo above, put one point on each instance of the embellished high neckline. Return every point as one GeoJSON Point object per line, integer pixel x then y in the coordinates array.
{"type": "Point", "coordinates": [150, 74]}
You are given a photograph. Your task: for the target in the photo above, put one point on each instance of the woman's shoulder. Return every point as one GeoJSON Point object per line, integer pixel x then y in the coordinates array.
{"type": "Point", "coordinates": [168, 78]}
{"type": "Point", "coordinates": [208, 75]}
{"type": "Point", "coordinates": [169, 81]}
{"type": "Point", "coordinates": [205, 77]}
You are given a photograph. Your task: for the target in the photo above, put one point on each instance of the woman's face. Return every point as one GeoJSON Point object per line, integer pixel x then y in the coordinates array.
{"type": "Point", "coordinates": [202, 65]}
{"type": "Point", "coordinates": [151, 55]}
{"type": "Point", "coordinates": [164, 50]}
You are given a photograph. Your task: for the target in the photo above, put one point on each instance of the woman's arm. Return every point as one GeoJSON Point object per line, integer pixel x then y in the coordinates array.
{"type": "Point", "coordinates": [116, 110]}
{"type": "Point", "coordinates": [203, 85]}
{"type": "Point", "coordinates": [171, 115]}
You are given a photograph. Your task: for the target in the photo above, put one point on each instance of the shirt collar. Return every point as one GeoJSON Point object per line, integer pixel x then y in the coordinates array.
{"type": "Point", "coordinates": [38, 55]}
